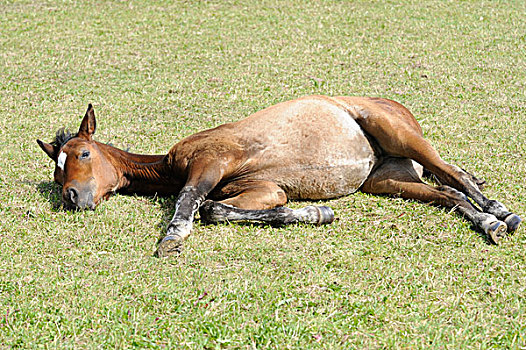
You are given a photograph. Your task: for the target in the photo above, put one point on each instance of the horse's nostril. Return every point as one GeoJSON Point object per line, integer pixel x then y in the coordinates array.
{"type": "Point", "coordinates": [73, 194]}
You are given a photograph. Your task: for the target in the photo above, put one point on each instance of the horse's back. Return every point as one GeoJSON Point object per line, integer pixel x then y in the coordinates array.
{"type": "Point", "coordinates": [311, 147]}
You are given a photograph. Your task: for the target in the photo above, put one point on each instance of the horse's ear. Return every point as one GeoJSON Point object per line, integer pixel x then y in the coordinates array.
{"type": "Point", "coordinates": [88, 125]}
{"type": "Point", "coordinates": [50, 150]}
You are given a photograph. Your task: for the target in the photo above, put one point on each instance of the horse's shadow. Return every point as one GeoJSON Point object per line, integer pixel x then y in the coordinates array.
{"type": "Point", "coordinates": [167, 205]}
{"type": "Point", "coordinates": [51, 192]}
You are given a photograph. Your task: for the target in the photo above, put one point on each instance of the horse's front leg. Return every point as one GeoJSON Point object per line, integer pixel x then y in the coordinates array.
{"type": "Point", "coordinates": [180, 227]}
{"type": "Point", "coordinates": [203, 175]}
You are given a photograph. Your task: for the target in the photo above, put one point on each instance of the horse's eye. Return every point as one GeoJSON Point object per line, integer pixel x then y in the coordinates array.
{"type": "Point", "coordinates": [84, 155]}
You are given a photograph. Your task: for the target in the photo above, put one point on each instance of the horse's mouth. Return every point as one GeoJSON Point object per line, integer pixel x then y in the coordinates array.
{"type": "Point", "coordinates": [86, 203]}
{"type": "Point", "coordinates": [74, 207]}
{"type": "Point", "coordinates": [89, 204]}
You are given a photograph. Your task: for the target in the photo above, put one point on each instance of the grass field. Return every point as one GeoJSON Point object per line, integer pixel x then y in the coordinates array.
{"type": "Point", "coordinates": [388, 274]}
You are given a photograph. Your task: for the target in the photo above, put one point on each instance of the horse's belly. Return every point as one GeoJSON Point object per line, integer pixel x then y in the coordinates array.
{"type": "Point", "coordinates": [323, 182]}
{"type": "Point", "coordinates": [322, 154]}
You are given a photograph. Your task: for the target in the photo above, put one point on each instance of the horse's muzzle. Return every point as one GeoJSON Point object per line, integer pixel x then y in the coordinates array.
{"type": "Point", "coordinates": [74, 198]}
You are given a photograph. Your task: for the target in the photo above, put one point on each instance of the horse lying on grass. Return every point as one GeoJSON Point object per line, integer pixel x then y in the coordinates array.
{"type": "Point", "coordinates": [315, 147]}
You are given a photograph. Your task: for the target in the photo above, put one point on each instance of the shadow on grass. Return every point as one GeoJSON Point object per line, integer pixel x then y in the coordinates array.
{"type": "Point", "coordinates": [167, 205]}
{"type": "Point", "coordinates": [50, 190]}
{"type": "Point", "coordinates": [481, 234]}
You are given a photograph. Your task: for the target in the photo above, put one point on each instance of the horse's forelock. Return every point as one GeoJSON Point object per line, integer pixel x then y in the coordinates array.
{"type": "Point", "coordinates": [62, 137]}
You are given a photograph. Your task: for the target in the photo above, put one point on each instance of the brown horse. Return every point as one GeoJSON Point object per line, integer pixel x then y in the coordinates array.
{"type": "Point", "coordinates": [316, 147]}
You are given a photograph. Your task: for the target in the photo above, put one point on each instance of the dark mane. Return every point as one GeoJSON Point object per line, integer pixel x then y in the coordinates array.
{"type": "Point", "coordinates": [62, 136]}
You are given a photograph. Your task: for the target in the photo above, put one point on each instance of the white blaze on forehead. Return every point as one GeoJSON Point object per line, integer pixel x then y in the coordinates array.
{"type": "Point", "coordinates": [61, 160]}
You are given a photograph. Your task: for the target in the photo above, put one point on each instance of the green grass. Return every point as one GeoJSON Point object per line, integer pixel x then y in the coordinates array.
{"type": "Point", "coordinates": [388, 274]}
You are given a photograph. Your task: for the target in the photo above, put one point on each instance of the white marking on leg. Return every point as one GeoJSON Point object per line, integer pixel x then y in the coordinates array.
{"type": "Point", "coordinates": [187, 205]}
{"type": "Point", "coordinates": [61, 161]}
{"type": "Point", "coordinates": [181, 228]}
{"type": "Point", "coordinates": [309, 214]}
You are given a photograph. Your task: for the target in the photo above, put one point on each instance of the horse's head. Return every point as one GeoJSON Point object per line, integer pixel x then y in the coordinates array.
{"type": "Point", "coordinates": [81, 166]}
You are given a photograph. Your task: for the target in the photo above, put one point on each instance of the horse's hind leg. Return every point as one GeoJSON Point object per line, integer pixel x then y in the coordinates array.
{"type": "Point", "coordinates": [261, 201]}
{"type": "Point", "coordinates": [398, 176]}
{"type": "Point", "coordinates": [454, 176]}
{"type": "Point", "coordinates": [460, 179]}
{"type": "Point", "coordinates": [397, 133]}
{"type": "Point", "coordinates": [479, 182]}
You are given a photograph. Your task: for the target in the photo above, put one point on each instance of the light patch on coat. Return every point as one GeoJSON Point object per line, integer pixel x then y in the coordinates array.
{"type": "Point", "coordinates": [61, 161]}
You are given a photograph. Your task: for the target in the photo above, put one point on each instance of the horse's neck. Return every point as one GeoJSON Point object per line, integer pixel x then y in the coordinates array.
{"type": "Point", "coordinates": [145, 174]}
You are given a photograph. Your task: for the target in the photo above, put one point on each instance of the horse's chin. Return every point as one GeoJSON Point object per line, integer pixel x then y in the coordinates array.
{"type": "Point", "coordinates": [89, 204]}
{"type": "Point", "coordinates": [74, 207]}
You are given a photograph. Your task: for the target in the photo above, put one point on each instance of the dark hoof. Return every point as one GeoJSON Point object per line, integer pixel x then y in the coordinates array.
{"type": "Point", "coordinates": [169, 245]}
{"type": "Point", "coordinates": [513, 222]}
{"type": "Point", "coordinates": [497, 231]}
{"type": "Point", "coordinates": [326, 215]}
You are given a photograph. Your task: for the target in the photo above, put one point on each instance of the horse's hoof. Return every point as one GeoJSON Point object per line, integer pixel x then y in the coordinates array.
{"type": "Point", "coordinates": [326, 215]}
{"type": "Point", "coordinates": [169, 245]}
{"type": "Point", "coordinates": [496, 231]}
{"type": "Point", "coordinates": [513, 222]}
